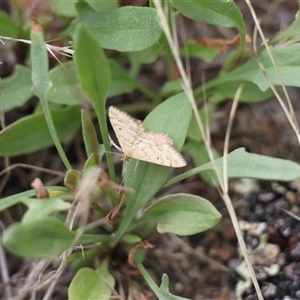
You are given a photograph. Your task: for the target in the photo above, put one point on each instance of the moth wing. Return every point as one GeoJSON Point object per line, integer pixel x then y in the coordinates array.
{"type": "Point", "coordinates": [157, 148]}
{"type": "Point", "coordinates": [126, 128]}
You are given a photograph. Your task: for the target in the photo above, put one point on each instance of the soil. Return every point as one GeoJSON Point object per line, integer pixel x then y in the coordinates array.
{"type": "Point", "coordinates": [203, 266]}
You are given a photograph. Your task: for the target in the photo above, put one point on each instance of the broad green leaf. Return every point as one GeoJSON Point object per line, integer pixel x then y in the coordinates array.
{"type": "Point", "coordinates": [147, 178]}
{"type": "Point", "coordinates": [172, 86]}
{"type": "Point", "coordinates": [67, 8]}
{"type": "Point", "coordinates": [42, 84]}
{"type": "Point", "coordinates": [8, 26]}
{"type": "Point", "coordinates": [95, 79]}
{"type": "Point", "coordinates": [38, 208]}
{"type": "Point", "coordinates": [121, 81]}
{"type": "Point", "coordinates": [31, 133]}
{"type": "Point", "coordinates": [287, 59]}
{"type": "Point", "coordinates": [103, 6]}
{"type": "Point", "coordinates": [94, 71]}
{"type": "Point", "coordinates": [138, 58]}
{"type": "Point", "coordinates": [183, 214]}
{"type": "Point", "coordinates": [65, 88]}
{"type": "Point", "coordinates": [250, 94]}
{"type": "Point", "coordinates": [39, 75]}
{"type": "Point", "coordinates": [146, 56]}
{"type": "Point", "coordinates": [45, 237]}
{"type": "Point", "coordinates": [126, 29]}
{"type": "Point", "coordinates": [241, 164]}
{"type": "Point", "coordinates": [221, 13]}
{"type": "Point", "coordinates": [64, 8]}
{"type": "Point", "coordinates": [250, 165]}
{"type": "Point", "coordinates": [92, 284]}
{"type": "Point", "coordinates": [205, 115]}
{"type": "Point", "coordinates": [196, 49]}
{"type": "Point", "coordinates": [199, 155]}
{"type": "Point", "coordinates": [291, 33]}
{"type": "Point", "coordinates": [17, 88]}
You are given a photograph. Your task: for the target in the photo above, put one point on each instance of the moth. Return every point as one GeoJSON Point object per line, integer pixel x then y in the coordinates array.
{"type": "Point", "coordinates": [138, 142]}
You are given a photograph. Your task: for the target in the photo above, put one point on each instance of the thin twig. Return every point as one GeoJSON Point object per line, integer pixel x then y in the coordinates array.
{"type": "Point", "coordinates": [58, 274]}
{"type": "Point", "coordinates": [228, 201]}
{"type": "Point", "coordinates": [288, 112]}
{"type": "Point", "coordinates": [187, 87]}
{"type": "Point", "coordinates": [227, 136]}
{"type": "Point", "coordinates": [67, 50]}
{"type": "Point", "coordinates": [190, 96]}
{"type": "Point", "coordinates": [26, 166]}
{"type": "Point", "coordinates": [31, 279]}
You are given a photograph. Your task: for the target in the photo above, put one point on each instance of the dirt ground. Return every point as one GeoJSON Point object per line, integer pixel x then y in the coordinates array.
{"type": "Point", "coordinates": [204, 266]}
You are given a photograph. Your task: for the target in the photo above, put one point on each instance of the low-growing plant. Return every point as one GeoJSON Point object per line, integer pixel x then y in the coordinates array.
{"type": "Point", "coordinates": [98, 209]}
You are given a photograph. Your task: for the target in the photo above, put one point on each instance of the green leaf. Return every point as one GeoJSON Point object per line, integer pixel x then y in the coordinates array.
{"type": "Point", "coordinates": [31, 133]}
{"type": "Point", "coordinates": [92, 284]}
{"type": "Point", "coordinates": [250, 94]}
{"type": "Point", "coordinates": [65, 85]}
{"type": "Point", "coordinates": [17, 88]}
{"type": "Point", "coordinates": [291, 33]}
{"type": "Point", "coordinates": [37, 208]}
{"type": "Point", "coordinates": [14, 199]}
{"type": "Point", "coordinates": [88, 239]}
{"type": "Point", "coordinates": [45, 237]}
{"type": "Point", "coordinates": [183, 214]}
{"type": "Point", "coordinates": [130, 238]}
{"type": "Point", "coordinates": [241, 164]}
{"type": "Point", "coordinates": [92, 161]}
{"type": "Point", "coordinates": [205, 115]}
{"type": "Point", "coordinates": [146, 56]}
{"type": "Point", "coordinates": [17, 198]}
{"type": "Point", "coordinates": [8, 26]}
{"type": "Point", "coordinates": [40, 77]}
{"type": "Point", "coordinates": [67, 8]}
{"type": "Point", "coordinates": [221, 13]}
{"type": "Point", "coordinates": [89, 133]}
{"type": "Point", "coordinates": [172, 86]}
{"type": "Point", "coordinates": [287, 59]}
{"type": "Point", "coordinates": [93, 68]}
{"type": "Point", "coordinates": [103, 6]}
{"type": "Point", "coordinates": [146, 178]}
{"type": "Point", "coordinates": [196, 49]}
{"type": "Point", "coordinates": [250, 165]}
{"type": "Point", "coordinates": [95, 78]}
{"type": "Point", "coordinates": [42, 84]}
{"type": "Point", "coordinates": [199, 155]}
{"type": "Point", "coordinates": [66, 89]}
{"type": "Point", "coordinates": [162, 292]}
{"type": "Point", "coordinates": [127, 28]}
{"type": "Point", "coordinates": [64, 8]}
{"type": "Point", "coordinates": [71, 179]}
{"type": "Point", "coordinates": [121, 81]}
